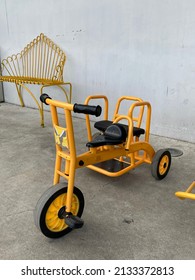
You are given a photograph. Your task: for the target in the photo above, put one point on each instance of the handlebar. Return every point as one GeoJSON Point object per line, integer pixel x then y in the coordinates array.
{"type": "Point", "coordinates": [77, 108]}
{"type": "Point", "coordinates": [87, 109]}
{"type": "Point", "coordinates": [43, 98]}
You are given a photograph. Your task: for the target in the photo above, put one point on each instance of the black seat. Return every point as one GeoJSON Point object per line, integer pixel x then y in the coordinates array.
{"type": "Point", "coordinates": [102, 126]}
{"type": "Point", "coordinates": [113, 135]}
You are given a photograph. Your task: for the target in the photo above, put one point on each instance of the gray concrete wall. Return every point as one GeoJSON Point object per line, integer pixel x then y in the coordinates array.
{"type": "Point", "coordinates": [1, 86]}
{"type": "Point", "coordinates": [117, 47]}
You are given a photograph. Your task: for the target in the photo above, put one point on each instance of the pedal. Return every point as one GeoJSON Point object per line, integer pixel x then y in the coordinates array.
{"type": "Point", "coordinates": [73, 221]}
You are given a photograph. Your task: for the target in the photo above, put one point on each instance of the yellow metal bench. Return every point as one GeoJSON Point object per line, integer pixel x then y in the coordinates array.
{"type": "Point", "coordinates": [41, 62]}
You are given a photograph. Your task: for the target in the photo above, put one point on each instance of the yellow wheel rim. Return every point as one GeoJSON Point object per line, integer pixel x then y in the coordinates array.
{"type": "Point", "coordinates": [163, 165]}
{"type": "Point", "coordinates": [53, 222]}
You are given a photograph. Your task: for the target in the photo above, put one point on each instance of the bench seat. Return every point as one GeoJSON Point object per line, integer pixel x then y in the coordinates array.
{"type": "Point", "coordinates": [29, 80]}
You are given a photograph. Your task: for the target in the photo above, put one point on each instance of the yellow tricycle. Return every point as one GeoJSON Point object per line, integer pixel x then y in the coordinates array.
{"type": "Point", "coordinates": [187, 193]}
{"type": "Point", "coordinates": [117, 147]}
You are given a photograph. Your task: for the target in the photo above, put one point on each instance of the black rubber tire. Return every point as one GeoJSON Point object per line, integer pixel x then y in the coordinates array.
{"type": "Point", "coordinates": [161, 164]}
{"type": "Point", "coordinates": [44, 203]}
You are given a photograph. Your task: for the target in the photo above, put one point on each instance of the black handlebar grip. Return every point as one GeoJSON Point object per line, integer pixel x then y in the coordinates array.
{"type": "Point", "coordinates": [87, 109]}
{"type": "Point", "coordinates": [43, 98]}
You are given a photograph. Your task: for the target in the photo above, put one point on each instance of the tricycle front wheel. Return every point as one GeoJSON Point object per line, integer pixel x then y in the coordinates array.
{"type": "Point", "coordinates": [47, 211]}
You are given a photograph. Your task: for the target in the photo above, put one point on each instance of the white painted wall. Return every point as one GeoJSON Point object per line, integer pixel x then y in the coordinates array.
{"type": "Point", "coordinates": [144, 48]}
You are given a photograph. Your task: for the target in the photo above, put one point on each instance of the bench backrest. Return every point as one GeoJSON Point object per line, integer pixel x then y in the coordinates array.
{"type": "Point", "coordinates": [40, 59]}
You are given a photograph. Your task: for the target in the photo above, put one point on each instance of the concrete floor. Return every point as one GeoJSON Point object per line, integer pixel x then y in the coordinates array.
{"type": "Point", "coordinates": [130, 217]}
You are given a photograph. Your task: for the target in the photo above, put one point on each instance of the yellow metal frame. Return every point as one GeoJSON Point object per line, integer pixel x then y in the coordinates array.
{"type": "Point", "coordinates": [65, 149]}
{"type": "Point", "coordinates": [41, 62]}
{"type": "Point", "coordinates": [136, 101]}
{"type": "Point", "coordinates": [188, 193]}
{"type": "Point", "coordinates": [133, 158]}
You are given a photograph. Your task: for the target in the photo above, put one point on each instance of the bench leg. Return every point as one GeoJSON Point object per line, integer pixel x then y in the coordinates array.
{"type": "Point", "coordinates": [40, 107]}
{"type": "Point", "coordinates": [18, 87]}
{"type": "Point", "coordinates": [70, 91]}
{"type": "Point", "coordinates": [68, 99]}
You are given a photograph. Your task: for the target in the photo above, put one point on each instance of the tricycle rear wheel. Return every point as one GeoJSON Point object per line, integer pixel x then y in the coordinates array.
{"type": "Point", "coordinates": [161, 164]}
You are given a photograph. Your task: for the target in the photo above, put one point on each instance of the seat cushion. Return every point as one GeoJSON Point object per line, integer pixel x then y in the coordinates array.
{"type": "Point", "coordinates": [114, 134]}
{"type": "Point", "coordinates": [115, 131]}
{"type": "Point", "coordinates": [102, 126]}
